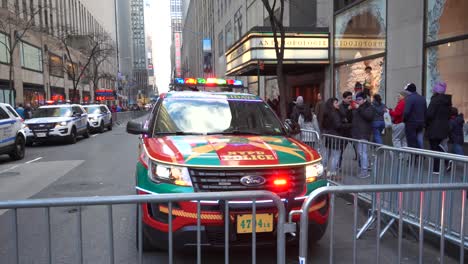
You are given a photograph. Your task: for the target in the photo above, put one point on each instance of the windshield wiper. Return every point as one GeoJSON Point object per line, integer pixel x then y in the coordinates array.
{"type": "Point", "coordinates": [236, 132]}
{"type": "Point", "coordinates": [178, 133]}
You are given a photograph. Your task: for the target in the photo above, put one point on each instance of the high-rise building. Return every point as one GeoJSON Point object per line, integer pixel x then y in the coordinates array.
{"type": "Point", "coordinates": [126, 82]}
{"type": "Point", "coordinates": [176, 32]}
{"type": "Point", "coordinates": [140, 72]}
{"type": "Point", "coordinates": [149, 48]}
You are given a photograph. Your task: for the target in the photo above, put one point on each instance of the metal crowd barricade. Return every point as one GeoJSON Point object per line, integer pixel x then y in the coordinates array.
{"type": "Point", "coordinates": [311, 138]}
{"type": "Point", "coordinates": [417, 166]}
{"type": "Point", "coordinates": [402, 191]}
{"type": "Point", "coordinates": [256, 197]}
{"type": "Point", "coordinates": [342, 160]}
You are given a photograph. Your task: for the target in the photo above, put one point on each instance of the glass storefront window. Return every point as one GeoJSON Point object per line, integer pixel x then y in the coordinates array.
{"type": "Point", "coordinates": [56, 66]}
{"type": "Point", "coordinates": [31, 57]}
{"type": "Point", "coordinates": [360, 31]}
{"type": "Point", "coordinates": [446, 18]}
{"type": "Point", "coordinates": [350, 76]}
{"type": "Point", "coordinates": [447, 63]}
{"type": "Point", "coordinates": [4, 44]}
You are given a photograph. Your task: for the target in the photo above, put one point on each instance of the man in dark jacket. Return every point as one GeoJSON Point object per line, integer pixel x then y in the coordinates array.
{"type": "Point", "coordinates": [346, 111]}
{"type": "Point", "coordinates": [362, 129]}
{"type": "Point", "coordinates": [437, 119]}
{"type": "Point", "coordinates": [414, 117]}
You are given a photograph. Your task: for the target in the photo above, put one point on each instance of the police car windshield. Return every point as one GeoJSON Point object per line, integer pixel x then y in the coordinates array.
{"type": "Point", "coordinates": [53, 112]}
{"type": "Point", "coordinates": [92, 109]}
{"type": "Point", "coordinates": [216, 116]}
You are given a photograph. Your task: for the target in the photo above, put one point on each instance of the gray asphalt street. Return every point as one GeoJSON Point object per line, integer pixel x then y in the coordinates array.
{"type": "Point", "coordinates": [104, 165]}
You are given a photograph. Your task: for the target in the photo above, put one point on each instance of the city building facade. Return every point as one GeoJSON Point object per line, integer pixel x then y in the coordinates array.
{"type": "Point", "coordinates": [39, 64]}
{"type": "Point", "coordinates": [140, 72]}
{"type": "Point", "coordinates": [176, 35]}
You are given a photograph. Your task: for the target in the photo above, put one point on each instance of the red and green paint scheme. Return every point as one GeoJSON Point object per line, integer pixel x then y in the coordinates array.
{"type": "Point", "coordinates": [218, 152]}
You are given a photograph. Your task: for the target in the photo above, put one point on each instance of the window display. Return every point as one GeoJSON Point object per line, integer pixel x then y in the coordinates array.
{"type": "Point", "coordinates": [367, 75]}
{"type": "Point", "coordinates": [446, 18]}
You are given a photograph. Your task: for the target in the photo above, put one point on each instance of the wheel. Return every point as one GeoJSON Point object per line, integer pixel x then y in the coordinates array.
{"type": "Point", "coordinates": [18, 152]}
{"type": "Point", "coordinates": [72, 136]}
{"type": "Point", "coordinates": [101, 127]}
{"type": "Point", "coordinates": [147, 246]}
{"type": "Point", "coordinates": [86, 133]}
{"type": "Point", "coordinates": [29, 143]}
{"type": "Point", "coordinates": [110, 125]}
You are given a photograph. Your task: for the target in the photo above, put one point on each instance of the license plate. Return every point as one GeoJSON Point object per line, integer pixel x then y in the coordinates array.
{"type": "Point", "coordinates": [264, 223]}
{"type": "Point", "coordinates": [41, 134]}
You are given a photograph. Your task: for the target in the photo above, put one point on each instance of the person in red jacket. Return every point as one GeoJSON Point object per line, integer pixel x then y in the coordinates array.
{"type": "Point", "coordinates": [398, 127]}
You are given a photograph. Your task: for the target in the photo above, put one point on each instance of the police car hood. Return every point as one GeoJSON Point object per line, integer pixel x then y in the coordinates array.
{"type": "Point", "coordinates": [95, 115]}
{"type": "Point", "coordinates": [223, 151]}
{"type": "Point", "coordinates": [43, 120]}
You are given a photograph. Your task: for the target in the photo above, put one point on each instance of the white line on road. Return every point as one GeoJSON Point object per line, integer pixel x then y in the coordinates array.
{"type": "Point", "coordinates": [95, 135]}
{"type": "Point", "coordinates": [5, 170]}
{"type": "Point", "coordinates": [31, 161]}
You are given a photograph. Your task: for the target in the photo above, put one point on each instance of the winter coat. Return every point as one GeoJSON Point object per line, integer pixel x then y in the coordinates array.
{"type": "Point", "coordinates": [437, 116]}
{"type": "Point", "coordinates": [362, 121]}
{"type": "Point", "coordinates": [319, 112]}
{"type": "Point", "coordinates": [347, 118]}
{"type": "Point", "coordinates": [334, 125]}
{"type": "Point", "coordinates": [397, 113]}
{"type": "Point", "coordinates": [379, 111]}
{"type": "Point", "coordinates": [415, 109]}
{"type": "Point", "coordinates": [456, 129]}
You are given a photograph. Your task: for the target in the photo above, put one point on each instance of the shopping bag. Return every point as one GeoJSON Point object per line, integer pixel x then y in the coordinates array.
{"type": "Point", "coordinates": [387, 119]}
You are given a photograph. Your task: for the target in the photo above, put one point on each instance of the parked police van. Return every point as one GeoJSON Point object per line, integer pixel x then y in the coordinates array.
{"type": "Point", "coordinates": [99, 117]}
{"type": "Point", "coordinates": [57, 122]}
{"type": "Point", "coordinates": [12, 135]}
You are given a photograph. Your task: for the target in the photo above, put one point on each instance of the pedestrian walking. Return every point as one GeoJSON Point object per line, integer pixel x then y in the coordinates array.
{"type": "Point", "coordinates": [398, 127]}
{"type": "Point", "coordinates": [378, 125]}
{"type": "Point", "coordinates": [334, 125]}
{"type": "Point", "coordinates": [414, 117]}
{"type": "Point", "coordinates": [362, 129]}
{"type": "Point", "coordinates": [319, 110]}
{"type": "Point", "coordinates": [28, 111]}
{"type": "Point", "coordinates": [437, 119]}
{"type": "Point", "coordinates": [302, 115]}
{"type": "Point", "coordinates": [456, 137]}
{"type": "Point", "coordinates": [346, 111]}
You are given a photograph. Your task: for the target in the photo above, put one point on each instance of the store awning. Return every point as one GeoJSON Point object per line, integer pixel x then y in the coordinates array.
{"type": "Point", "coordinates": [255, 53]}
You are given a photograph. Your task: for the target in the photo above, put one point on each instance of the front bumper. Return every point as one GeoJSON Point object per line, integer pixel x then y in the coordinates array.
{"type": "Point", "coordinates": [94, 123]}
{"type": "Point", "coordinates": [58, 132]}
{"type": "Point", "coordinates": [184, 224]}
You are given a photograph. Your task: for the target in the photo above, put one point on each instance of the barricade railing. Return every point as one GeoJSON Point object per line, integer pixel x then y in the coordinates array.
{"type": "Point", "coordinates": [311, 138]}
{"type": "Point", "coordinates": [417, 166]}
{"type": "Point", "coordinates": [348, 161]}
{"type": "Point", "coordinates": [252, 198]}
{"type": "Point", "coordinates": [459, 191]}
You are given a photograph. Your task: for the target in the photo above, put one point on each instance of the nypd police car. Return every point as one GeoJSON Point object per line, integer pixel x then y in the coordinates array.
{"type": "Point", "coordinates": [99, 117]}
{"type": "Point", "coordinates": [12, 136]}
{"type": "Point", "coordinates": [63, 122]}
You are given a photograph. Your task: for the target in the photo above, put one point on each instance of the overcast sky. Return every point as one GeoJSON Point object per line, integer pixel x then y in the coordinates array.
{"type": "Point", "coordinates": [161, 27]}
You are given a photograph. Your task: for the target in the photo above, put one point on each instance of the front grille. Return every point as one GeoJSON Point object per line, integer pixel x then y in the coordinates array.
{"type": "Point", "coordinates": [206, 180]}
{"type": "Point", "coordinates": [41, 127]}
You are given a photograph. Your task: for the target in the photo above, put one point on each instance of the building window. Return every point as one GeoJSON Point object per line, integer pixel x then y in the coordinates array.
{"type": "Point", "coordinates": [341, 4]}
{"type": "Point", "coordinates": [360, 42]}
{"type": "Point", "coordinates": [220, 44]}
{"type": "Point", "coordinates": [31, 57]}
{"type": "Point", "coordinates": [4, 48]}
{"type": "Point", "coordinates": [238, 24]}
{"type": "Point", "coordinates": [229, 38]}
{"type": "Point", "coordinates": [446, 50]}
{"type": "Point", "coordinates": [55, 66]}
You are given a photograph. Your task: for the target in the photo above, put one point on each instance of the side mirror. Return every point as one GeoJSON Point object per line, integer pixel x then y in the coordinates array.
{"type": "Point", "coordinates": [136, 128]}
{"type": "Point", "coordinates": [292, 127]}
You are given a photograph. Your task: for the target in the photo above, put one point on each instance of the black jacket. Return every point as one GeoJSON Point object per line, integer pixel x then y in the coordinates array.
{"type": "Point", "coordinates": [437, 116]}
{"type": "Point", "coordinates": [379, 111]}
{"type": "Point", "coordinates": [347, 118]}
{"type": "Point", "coordinates": [456, 129]}
{"type": "Point", "coordinates": [334, 124]}
{"type": "Point", "coordinates": [362, 121]}
{"type": "Point", "coordinates": [303, 110]}
{"type": "Point", "coordinates": [415, 109]}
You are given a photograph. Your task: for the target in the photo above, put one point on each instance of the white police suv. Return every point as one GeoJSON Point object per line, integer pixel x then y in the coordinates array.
{"type": "Point", "coordinates": [12, 136]}
{"type": "Point", "coordinates": [99, 117]}
{"type": "Point", "coordinates": [62, 122]}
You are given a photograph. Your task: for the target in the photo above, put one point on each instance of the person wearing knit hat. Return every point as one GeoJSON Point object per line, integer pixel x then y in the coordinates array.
{"type": "Point", "coordinates": [414, 117]}
{"type": "Point", "coordinates": [437, 119]}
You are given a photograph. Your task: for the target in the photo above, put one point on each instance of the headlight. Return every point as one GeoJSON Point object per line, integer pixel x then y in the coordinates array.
{"type": "Point", "coordinates": [313, 172]}
{"type": "Point", "coordinates": [172, 174]}
{"type": "Point", "coordinates": [61, 124]}
{"type": "Point", "coordinates": [93, 118]}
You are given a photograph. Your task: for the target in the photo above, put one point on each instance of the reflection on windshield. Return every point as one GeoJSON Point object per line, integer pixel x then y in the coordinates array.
{"type": "Point", "coordinates": [194, 115]}
{"type": "Point", "coordinates": [92, 109]}
{"type": "Point", "coordinates": [53, 112]}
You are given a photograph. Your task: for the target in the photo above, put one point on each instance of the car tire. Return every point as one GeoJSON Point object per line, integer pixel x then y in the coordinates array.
{"type": "Point", "coordinates": [72, 136]}
{"type": "Point", "coordinates": [19, 151]}
{"type": "Point", "coordinates": [101, 127]}
{"type": "Point", "coordinates": [86, 133]}
{"type": "Point", "coordinates": [147, 246]}
{"type": "Point", "coordinates": [110, 125]}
